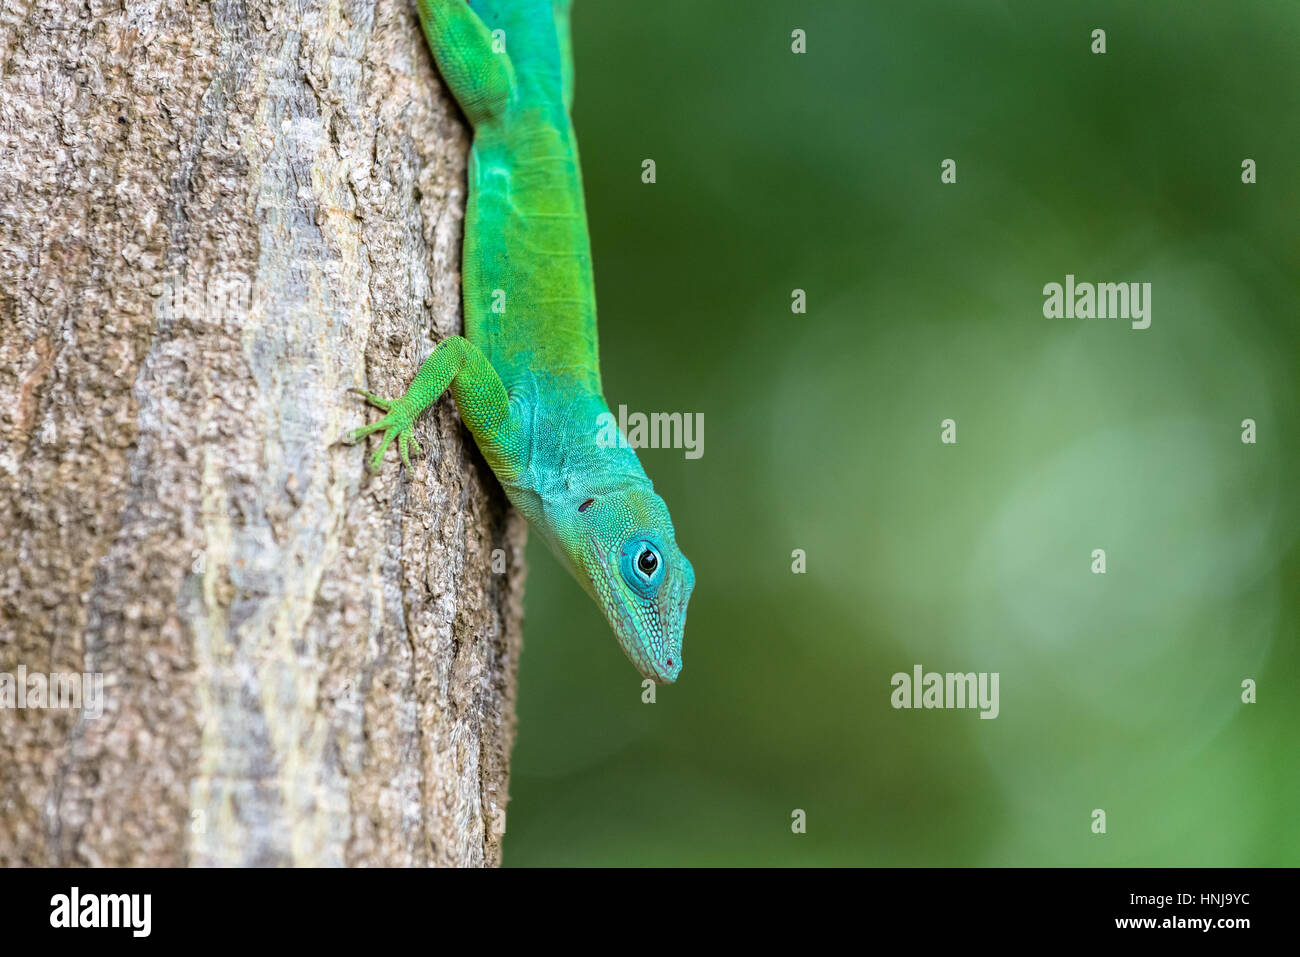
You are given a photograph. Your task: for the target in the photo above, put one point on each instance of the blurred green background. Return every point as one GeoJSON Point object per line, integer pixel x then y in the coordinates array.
{"type": "Point", "coordinates": [821, 171]}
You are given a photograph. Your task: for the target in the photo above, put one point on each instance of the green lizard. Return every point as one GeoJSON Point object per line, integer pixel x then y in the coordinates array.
{"type": "Point", "coordinates": [526, 377]}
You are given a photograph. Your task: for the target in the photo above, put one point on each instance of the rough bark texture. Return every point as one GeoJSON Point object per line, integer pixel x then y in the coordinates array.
{"type": "Point", "coordinates": [302, 665]}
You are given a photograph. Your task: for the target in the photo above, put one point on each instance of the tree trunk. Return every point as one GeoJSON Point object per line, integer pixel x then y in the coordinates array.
{"type": "Point", "coordinates": [214, 219]}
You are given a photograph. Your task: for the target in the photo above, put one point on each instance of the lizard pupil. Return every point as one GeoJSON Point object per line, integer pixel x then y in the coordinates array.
{"type": "Point", "coordinates": [648, 562]}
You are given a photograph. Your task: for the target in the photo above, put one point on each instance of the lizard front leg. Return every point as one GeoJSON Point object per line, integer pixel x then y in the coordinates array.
{"type": "Point", "coordinates": [480, 396]}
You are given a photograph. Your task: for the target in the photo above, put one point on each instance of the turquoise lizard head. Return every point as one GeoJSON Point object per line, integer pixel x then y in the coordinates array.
{"type": "Point", "coordinates": [619, 544]}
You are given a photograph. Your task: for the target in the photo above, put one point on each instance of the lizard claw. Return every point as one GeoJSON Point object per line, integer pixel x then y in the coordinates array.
{"type": "Point", "coordinates": [373, 399]}
{"type": "Point", "coordinates": [406, 447]}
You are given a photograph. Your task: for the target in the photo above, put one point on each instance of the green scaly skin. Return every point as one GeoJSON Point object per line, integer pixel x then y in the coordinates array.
{"type": "Point", "coordinates": [526, 377]}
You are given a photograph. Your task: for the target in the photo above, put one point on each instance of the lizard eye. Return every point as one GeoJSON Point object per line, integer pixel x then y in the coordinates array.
{"type": "Point", "coordinates": [643, 567]}
{"type": "Point", "coordinates": [648, 562]}
{"type": "Point", "coordinates": [586, 505]}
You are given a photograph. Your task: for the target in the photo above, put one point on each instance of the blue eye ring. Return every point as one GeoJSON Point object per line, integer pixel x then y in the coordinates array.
{"type": "Point", "coordinates": [642, 564]}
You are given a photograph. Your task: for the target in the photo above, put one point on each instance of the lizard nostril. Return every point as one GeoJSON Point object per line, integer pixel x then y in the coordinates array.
{"type": "Point", "coordinates": [670, 662]}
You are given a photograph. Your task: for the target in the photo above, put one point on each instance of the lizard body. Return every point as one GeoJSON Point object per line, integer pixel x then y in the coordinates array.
{"type": "Point", "coordinates": [526, 376]}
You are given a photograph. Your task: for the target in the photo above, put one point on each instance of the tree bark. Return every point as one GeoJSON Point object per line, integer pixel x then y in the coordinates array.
{"type": "Point", "coordinates": [214, 219]}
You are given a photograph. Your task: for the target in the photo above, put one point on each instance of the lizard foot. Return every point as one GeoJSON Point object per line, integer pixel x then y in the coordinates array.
{"type": "Point", "coordinates": [398, 424]}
